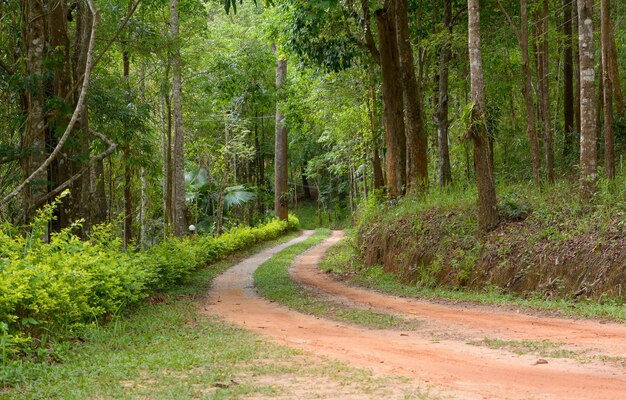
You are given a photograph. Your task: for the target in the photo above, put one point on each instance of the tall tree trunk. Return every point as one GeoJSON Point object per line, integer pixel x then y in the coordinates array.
{"type": "Point", "coordinates": [544, 88]}
{"type": "Point", "coordinates": [379, 181]}
{"type": "Point", "coordinates": [281, 195]}
{"type": "Point", "coordinates": [128, 198]}
{"type": "Point", "coordinates": [531, 125]}
{"type": "Point", "coordinates": [393, 107]}
{"type": "Point", "coordinates": [487, 211]}
{"type": "Point", "coordinates": [605, 28]}
{"type": "Point", "coordinates": [33, 141]}
{"type": "Point", "coordinates": [614, 73]}
{"type": "Point", "coordinates": [576, 48]}
{"type": "Point", "coordinates": [143, 217]}
{"type": "Point", "coordinates": [167, 163]}
{"type": "Point", "coordinates": [445, 170]}
{"type": "Point", "coordinates": [588, 139]}
{"type": "Point", "coordinates": [178, 160]}
{"type": "Point", "coordinates": [568, 80]}
{"type": "Point", "coordinates": [128, 170]}
{"type": "Point", "coordinates": [306, 190]}
{"type": "Point", "coordinates": [416, 137]}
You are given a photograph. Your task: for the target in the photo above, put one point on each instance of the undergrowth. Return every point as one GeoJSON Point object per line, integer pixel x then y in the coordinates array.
{"type": "Point", "coordinates": [548, 244]}
{"type": "Point", "coordinates": [53, 291]}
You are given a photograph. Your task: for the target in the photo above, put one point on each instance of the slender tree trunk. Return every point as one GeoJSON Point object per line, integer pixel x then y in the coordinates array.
{"type": "Point", "coordinates": [487, 211]}
{"type": "Point", "coordinates": [33, 141]}
{"type": "Point", "coordinates": [605, 28]}
{"type": "Point", "coordinates": [306, 190]}
{"type": "Point", "coordinates": [128, 198]}
{"type": "Point", "coordinates": [144, 210]}
{"type": "Point", "coordinates": [576, 47]}
{"type": "Point", "coordinates": [416, 137]}
{"type": "Point", "coordinates": [281, 195]}
{"type": "Point", "coordinates": [178, 155]}
{"type": "Point", "coordinates": [614, 73]}
{"type": "Point", "coordinates": [568, 80]}
{"type": "Point", "coordinates": [167, 164]}
{"type": "Point", "coordinates": [531, 125]}
{"type": "Point", "coordinates": [543, 72]}
{"type": "Point", "coordinates": [588, 139]}
{"type": "Point", "coordinates": [376, 164]}
{"type": "Point", "coordinates": [128, 170]}
{"type": "Point", "coordinates": [445, 170]}
{"type": "Point", "coordinates": [392, 101]}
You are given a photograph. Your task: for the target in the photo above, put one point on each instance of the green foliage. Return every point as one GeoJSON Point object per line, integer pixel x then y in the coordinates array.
{"type": "Point", "coordinates": [513, 210]}
{"type": "Point", "coordinates": [56, 288]}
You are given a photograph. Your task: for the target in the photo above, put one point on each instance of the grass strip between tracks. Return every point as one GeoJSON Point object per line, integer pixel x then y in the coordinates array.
{"type": "Point", "coordinates": [273, 281]}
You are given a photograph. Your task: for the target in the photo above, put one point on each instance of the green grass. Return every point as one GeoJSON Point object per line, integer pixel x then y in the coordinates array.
{"type": "Point", "coordinates": [544, 348]}
{"type": "Point", "coordinates": [273, 281]}
{"type": "Point", "coordinates": [342, 259]}
{"type": "Point", "coordinates": [167, 350]}
{"type": "Point", "coordinates": [548, 349]}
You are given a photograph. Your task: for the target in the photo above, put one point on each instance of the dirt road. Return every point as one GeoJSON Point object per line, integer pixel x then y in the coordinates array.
{"type": "Point", "coordinates": [438, 353]}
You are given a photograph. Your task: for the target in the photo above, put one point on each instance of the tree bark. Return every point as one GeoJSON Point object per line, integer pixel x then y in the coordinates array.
{"type": "Point", "coordinates": [531, 125]}
{"type": "Point", "coordinates": [605, 28]}
{"type": "Point", "coordinates": [33, 140]}
{"type": "Point", "coordinates": [487, 212]}
{"type": "Point", "coordinates": [393, 105]}
{"type": "Point", "coordinates": [178, 160]}
{"type": "Point", "coordinates": [281, 195]}
{"type": "Point", "coordinates": [416, 137]}
{"type": "Point", "coordinates": [379, 181]}
{"type": "Point", "coordinates": [576, 47]}
{"type": "Point", "coordinates": [568, 81]}
{"type": "Point", "coordinates": [614, 73]}
{"type": "Point", "coordinates": [543, 72]}
{"type": "Point", "coordinates": [588, 139]}
{"type": "Point", "coordinates": [445, 170]}
{"type": "Point", "coordinates": [128, 170]}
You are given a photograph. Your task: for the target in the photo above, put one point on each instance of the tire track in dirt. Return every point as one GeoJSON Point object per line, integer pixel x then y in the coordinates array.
{"type": "Point", "coordinates": [451, 366]}
{"type": "Point", "coordinates": [467, 322]}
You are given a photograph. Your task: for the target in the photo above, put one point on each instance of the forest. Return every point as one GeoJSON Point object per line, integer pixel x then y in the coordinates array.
{"type": "Point", "coordinates": [454, 151]}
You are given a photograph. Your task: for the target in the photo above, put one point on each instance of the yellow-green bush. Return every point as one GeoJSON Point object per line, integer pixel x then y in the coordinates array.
{"type": "Point", "coordinates": [54, 288]}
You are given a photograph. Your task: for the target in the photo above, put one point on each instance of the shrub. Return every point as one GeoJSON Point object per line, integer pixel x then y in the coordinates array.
{"type": "Point", "coordinates": [55, 288]}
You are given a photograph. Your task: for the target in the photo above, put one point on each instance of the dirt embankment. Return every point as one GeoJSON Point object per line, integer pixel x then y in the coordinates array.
{"type": "Point", "coordinates": [555, 260]}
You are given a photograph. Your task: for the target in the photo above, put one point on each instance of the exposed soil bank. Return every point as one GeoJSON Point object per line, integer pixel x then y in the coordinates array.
{"type": "Point", "coordinates": [553, 257]}
{"type": "Point", "coordinates": [448, 364]}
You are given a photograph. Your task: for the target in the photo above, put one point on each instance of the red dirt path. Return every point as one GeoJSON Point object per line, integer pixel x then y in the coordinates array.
{"type": "Point", "coordinates": [436, 354]}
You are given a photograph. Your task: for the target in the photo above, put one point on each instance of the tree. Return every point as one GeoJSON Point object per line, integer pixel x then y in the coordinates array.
{"type": "Point", "coordinates": [544, 88]}
{"type": "Point", "coordinates": [281, 190]}
{"type": "Point", "coordinates": [393, 104]}
{"type": "Point", "coordinates": [487, 211]}
{"type": "Point", "coordinates": [588, 136]}
{"type": "Point", "coordinates": [178, 155]}
{"type": "Point", "coordinates": [445, 170]}
{"type": "Point", "coordinates": [605, 27]}
{"type": "Point", "coordinates": [416, 137]}
{"type": "Point", "coordinates": [568, 80]}
{"type": "Point", "coordinates": [529, 103]}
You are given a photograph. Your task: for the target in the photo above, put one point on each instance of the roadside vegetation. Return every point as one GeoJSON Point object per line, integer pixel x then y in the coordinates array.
{"type": "Point", "coordinates": [551, 253]}
{"type": "Point", "coordinates": [163, 349]}
{"type": "Point", "coordinates": [55, 290]}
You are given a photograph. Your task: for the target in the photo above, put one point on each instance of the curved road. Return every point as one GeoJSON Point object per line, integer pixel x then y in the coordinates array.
{"type": "Point", "coordinates": [437, 354]}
